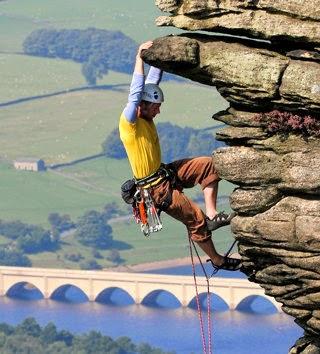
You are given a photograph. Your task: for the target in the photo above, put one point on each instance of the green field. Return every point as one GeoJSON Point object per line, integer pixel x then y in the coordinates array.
{"type": "Point", "coordinates": [134, 248]}
{"type": "Point", "coordinates": [55, 128]}
{"type": "Point", "coordinates": [19, 18]}
{"type": "Point", "coordinates": [27, 76]}
{"type": "Point", "coordinates": [69, 121]}
{"type": "Point", "coordinates": [31, 197]}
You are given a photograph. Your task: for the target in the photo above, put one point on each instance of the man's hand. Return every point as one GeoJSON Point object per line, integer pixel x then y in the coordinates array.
{"type": "Point", "coordinates": [144, 46]}
{"type": "Point", "coordinates": [139, 67]}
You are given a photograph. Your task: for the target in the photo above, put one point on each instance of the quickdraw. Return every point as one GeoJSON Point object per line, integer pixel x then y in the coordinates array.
{"type": "Point", "coordinates": [145, 212]}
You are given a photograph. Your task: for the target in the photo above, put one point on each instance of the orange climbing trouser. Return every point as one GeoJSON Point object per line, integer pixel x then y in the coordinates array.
{"type": "Point", "coordinates": [188, 173]}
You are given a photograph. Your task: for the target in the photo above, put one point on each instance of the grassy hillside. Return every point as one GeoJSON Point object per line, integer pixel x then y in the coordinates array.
{"type": "Point", "coordinates": [31, 197]}
{"type": "Point", "coordinates": [55, 128]}
{"type": "Point", "coordinates": [134, 248]}
{"type": "Point", "coordinates": [62, 126]}
{"type": "Point", "coordinates": [26, 76]}
{"type": "Point", "coordinates": [30, 76]}
{"type": "Point", "coordinates": [19, 18]}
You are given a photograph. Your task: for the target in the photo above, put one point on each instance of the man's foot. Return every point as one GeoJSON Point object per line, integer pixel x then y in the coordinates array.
{"type": "Point", "coordinates": [219, 220]}
{"type": "Point", "coordinates": [229, 263]}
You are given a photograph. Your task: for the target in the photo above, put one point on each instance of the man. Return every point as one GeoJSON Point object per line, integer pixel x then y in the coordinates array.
{"type": "Point", "coordinates": [139, 136]}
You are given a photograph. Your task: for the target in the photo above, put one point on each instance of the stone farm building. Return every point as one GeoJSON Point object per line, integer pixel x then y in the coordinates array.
{"type": "Point", "coordinates": [29, 164]}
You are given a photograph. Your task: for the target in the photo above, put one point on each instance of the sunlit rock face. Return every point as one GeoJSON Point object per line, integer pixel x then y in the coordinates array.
{"type": "Point", "coordinates": [277, 199]}
{"type": "Point", "coordinates": [291, 20]}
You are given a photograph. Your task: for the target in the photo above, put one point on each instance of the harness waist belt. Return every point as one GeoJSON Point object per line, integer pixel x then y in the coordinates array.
{"type": "Point", "coordinates": [158, 176]}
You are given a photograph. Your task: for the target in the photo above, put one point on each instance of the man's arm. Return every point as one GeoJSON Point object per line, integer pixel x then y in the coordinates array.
{"type": "Point", "coordinates": [154, 76]}
{"type": "Point", "coordinates": [137, 85]}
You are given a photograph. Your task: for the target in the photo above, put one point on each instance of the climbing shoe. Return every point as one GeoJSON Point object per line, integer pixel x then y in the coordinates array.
{"type": "Point", "coordinates": [229, 263]}
{"type": "Point", "coordinates": [219, 220]}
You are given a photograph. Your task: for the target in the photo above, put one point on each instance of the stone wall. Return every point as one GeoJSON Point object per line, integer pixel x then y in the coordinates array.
{"type": "Point", "coordinates": [277, 199]}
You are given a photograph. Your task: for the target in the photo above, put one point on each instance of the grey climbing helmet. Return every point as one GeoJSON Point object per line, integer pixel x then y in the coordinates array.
{"type": "Point", "coordinates": [152, 93]}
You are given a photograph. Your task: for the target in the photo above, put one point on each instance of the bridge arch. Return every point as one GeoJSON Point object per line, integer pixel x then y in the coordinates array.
{"type": "Point", "coordinates": [58, 287]}
{"type": "Point", "coordinates": [103, 287]}
{"type": "Point", "coordinates": [162, 298]}
{"type": "Point", "coordinates": [24, 290]}
{"type": "Point", "coordinates": [115, 296]}
{"type": "Point", "coordinates": [257, 304]}
{"type": "Point", "coordinates": [216, 302]}
{"type": "Point", "coordinates": [12, 282]}
{"type": "Point", "coordinates": [60, 293]}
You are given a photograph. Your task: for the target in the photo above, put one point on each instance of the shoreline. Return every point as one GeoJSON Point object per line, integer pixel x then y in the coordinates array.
{"type": "Point", "coordinates": [144, 267]}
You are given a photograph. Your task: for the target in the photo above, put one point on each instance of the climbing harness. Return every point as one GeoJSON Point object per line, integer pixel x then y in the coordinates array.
{"type": "Point", "coordinates": [161, 174]}
{"type": "Point", "coordinates": [137, 193]}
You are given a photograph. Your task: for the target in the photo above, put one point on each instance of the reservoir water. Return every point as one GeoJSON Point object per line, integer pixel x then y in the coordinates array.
{"type": "Point", "coordinates": [257, 329]}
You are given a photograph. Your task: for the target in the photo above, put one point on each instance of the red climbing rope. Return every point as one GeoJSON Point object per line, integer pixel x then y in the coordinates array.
{"type": "Point", "coordinates": [204, 343]}
{"type": "Point", "coordinates": [203, 337]}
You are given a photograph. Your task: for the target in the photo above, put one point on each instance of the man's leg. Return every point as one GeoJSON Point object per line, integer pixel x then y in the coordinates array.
{"type": "Point", "coordinates": [189, 213]}
{"type": "Point", "coordinates": [185, 210]}
{"type": "Point", "coordinates": [214, 219]}
{"type": "Point", "coordinates": [210, 193]}
{"type": "Point", "coordinates": [218, 261]}
{"type": "Point", "coordinates": [200, 170]}
{"type": "Point", "coordinates": [209, 249]}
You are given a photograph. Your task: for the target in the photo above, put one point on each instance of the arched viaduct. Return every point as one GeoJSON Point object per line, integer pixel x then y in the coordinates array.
{"type": "Point", "coordinates": [137, 285]}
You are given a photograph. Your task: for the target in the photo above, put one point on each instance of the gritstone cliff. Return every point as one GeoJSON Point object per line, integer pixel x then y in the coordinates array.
{"type": "Point", "coordinates": [263, 56]}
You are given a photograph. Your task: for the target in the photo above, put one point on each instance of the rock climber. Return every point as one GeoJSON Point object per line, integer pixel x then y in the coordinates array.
{"type": "Point", "coordinates": [165, 183]}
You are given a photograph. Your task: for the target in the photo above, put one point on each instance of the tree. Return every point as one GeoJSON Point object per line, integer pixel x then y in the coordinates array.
{"type": "Point", "coordinates": [89, 72]}
{"type": "Point", "coordinates": [58, 348]}
{"type": "Point", "coordinates": [49, 334]}
{"type": "Point", "coordinates": [176, 143]}
{"type": "Point", "coordinates": [59, 223]}
{"type": "Point", "coordinates": [28, 238]}
{"type": "Point", "coordinates": [202, 143]}
{"type": "Point", "coordinates": [91, 264]}
{"type": "Point", "coordinates": [66, 337]}
{"type": "Point", "coordinates": [111, 210]}
{"type": "Point", "coordinates": [6, 328]}
{"type": "Point", "coordinates": [94, 342]}
{"type": "Point", "coordinates": [3, 339]}
{"type": "Point", "coordinates": [93, 69]}
{"type": "Point", "coordinates": [93, 230]}
{"type": "Point", "coordinates": [29, 338]}
{"type": "Point", "coordinates": [31, 345]}
{"type": "Point", "coordinates": [113, 147]}
{"type": "Point", "coordinates": [41, 43]}
{"type": "Point", "coordinates": [98, 50]}
{"type": "Point", "coordinates": [13, 257]}
{"type": "Point", "coordinates": [114, 257]}
{"type": "Point", "coordinates": [126, 344]}
{"type": "Point", "coordinates": [13, 229]}
{"type": "Point", "coordinates": [36, 240]}
{"type": "Point", "coordinates": [29, 327]}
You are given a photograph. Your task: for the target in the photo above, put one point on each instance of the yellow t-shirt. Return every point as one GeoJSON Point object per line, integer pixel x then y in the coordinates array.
{"type": "Point", "coordinates": [141, 142]}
